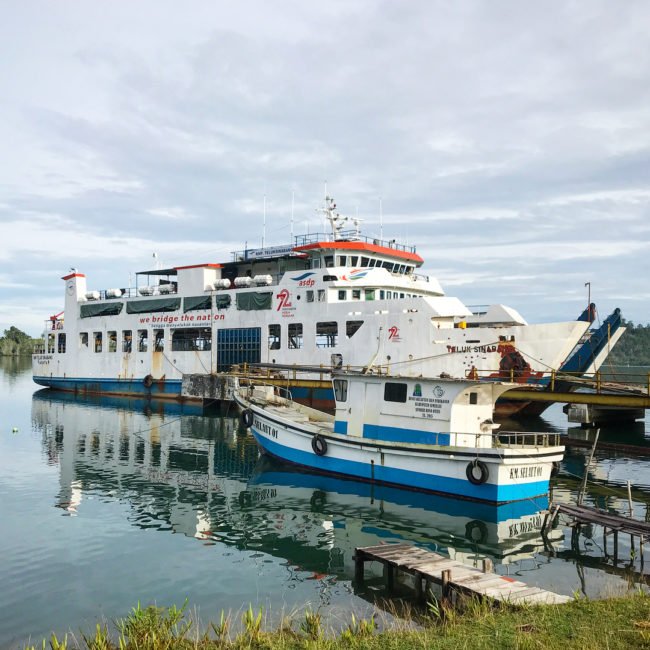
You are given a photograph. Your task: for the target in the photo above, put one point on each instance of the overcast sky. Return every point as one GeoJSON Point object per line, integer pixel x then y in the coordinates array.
{"type": "Point", "coordinates": [508, 140]}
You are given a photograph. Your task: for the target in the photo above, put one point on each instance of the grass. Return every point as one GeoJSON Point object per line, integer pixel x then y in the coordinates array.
{"type": "Point", "coordinates": [581, 624]}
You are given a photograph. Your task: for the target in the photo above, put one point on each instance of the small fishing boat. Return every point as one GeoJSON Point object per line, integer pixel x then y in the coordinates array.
{"type": "Point", "coordinates": [431, 434]}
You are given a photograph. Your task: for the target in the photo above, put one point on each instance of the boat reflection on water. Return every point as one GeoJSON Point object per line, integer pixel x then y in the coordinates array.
{"type": "Point", "coordinates": [184, 471]}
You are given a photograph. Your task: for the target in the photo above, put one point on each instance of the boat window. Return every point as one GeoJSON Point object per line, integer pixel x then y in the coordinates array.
{"type": "Point", "coordinates": [222, 302]}
{"type": "Point", "coordinates": [61, 347]}
{"type": "Point", "coordinates": [50, 343]}
{"type": "Point", "coordinates": [365, 261]}
{"type": "Point", "coordinates": [473, 398]}
{"type": "Point", "coordinates": [192, 339]}
{"type": "Point", "coordinates": [343, 294]}
{"type": "Point", "coordinates": [100, 309]}
{"type": "Point", "coordinates": [159, 340]}
{"type": "Point", "coordinates": [389, 294]}
{"type": "Point", "coordinates": [329, 278]}
{"type": "Point", "coordinates": [152, 305]}
{"type": "Point", "coordinates": [340, 390]}
{"type": "Point", "coordinates": [401, 295]}
{"type": "Point", "coordinates": [343, 259]}
{"type": "Point", "coordinates": [97, 338]}
{"type": "Point", "coordinates": [126, 341]}
{"type": "Point", "coordinates": [83, 339]}
{"type": "Point", "coordinates": [112, 341]}
{"type": "Point", "coordinates": [354, 260]}
{"type": "Point", "coordinates": [142, 340]}
{"type": "Point", "coordinates": [382, 294]}
{"type": "Point", "coordinates": [329, 261]}
{"type": "Point", "coordinates": [351, 327]}
{"type": "Point", "coordinates": [370, 294]}
{"type": "Point", "coordinates": [310, 295]}
{"type": "Point", "coordinates": [356, 294]}
{"type": "Point", "coordinates": [193, 303]}
{"type": "Point", "coordinates": [327, 334]}
{"type": "Point", "coordinates": [321, 295]}
{"type": "Point", "coordinates": [295, 335]}
{"type": "Point", "coordinates": [388, 265]}
{"type": "Point", "coordinates": [274, 337]}
{"type": "Point", "coordinates": [315, 263]}
{"type": "Point", "coordinates": [394, 392]}
{"type": "Point", "coordinates": [254, 300]}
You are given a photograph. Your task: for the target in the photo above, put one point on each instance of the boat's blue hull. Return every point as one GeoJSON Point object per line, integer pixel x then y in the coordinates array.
{"type": "Point", "coordinates": [92, 385]}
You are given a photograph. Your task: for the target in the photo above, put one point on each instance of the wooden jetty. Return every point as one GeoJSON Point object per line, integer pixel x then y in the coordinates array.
{"type": "Point", "coordinates": [428, 567]}
{"type": "Point", "coordinates": [612, 524]}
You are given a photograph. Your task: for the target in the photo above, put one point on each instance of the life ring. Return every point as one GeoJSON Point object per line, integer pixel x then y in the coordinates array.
{"type": "Point", "coordinates": [319, 445]}
{"type": "Point", "coordinates": [246, 418]}
{"type": "Point", "coordinates": [477, 472]}
{"type": "Point", "coordinates": [148, 381]}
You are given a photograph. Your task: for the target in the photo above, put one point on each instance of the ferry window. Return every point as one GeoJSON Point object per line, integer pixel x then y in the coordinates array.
{"type": "Point", "coordinates": [295, 335]}
{"type": "Point", "coordinates": [388, 266]}
{"type": "Point", "coordinates": [389, 294]}
{"type": "Point", "coordinates": [310, 295]}
{"type": "Point", "coordinates": [401, 295]}
{"type": "Point", "coordinates": [365, 261]}
{"type": "Point", "coordinates": [356, 294]}
{"type": "Point", "coordinates": [222, 302]}
{"type": "Point", "coordinates": [315, 263]}
{"type": "Point", "coordinates": [343, 259]}
{"type": "Point", "coordinates": [370, 294]}
{"type": "Point", "coordinates": [61, 344]}
{"type": "Point", "coordinates": [382, 294]}
{"type": "Point", "coordinates": [321, 295]}
{"type": "Point", "coordinates": [340, 390]}
{"type": "Point", "coordinates": [83, 339]}
{"type": "Point", "coordinates": [97, 338]}
{"type": "Point", "coordinates": [473, 398]}
{"type": "Point", "coordinates": [354, 260]}
{"type": "Point", "coordinates": [159, 340]}
{"type": "Point", "coordinates": [402, 269]}
{"type": "Point", "coordinates": [192, 339]}
{"type": "Point", "coordinates": [112, 341]}
{"type": "Point", "coordinates": [327, 334]}
{"type": "Point", "coordinates": [343, 294]}
{"type": "Point", "coordinates": [50, 343]}
{"type": "Point", "coordinates": [329, 261]}
{"type": "Point", "coordinates": [126, 340]}
{"type": "Point", "coordinates": [351, 327]}
{"type": "Point", "coordinates": [394, 392]}
{"type": "Point", "coordinates": [142, 340]}
{"type": "Point", "coordinates": [274, 337]}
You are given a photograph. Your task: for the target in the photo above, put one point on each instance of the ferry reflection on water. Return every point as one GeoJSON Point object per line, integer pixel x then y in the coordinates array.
{"type": "Point", "coordinates": [183, 471]}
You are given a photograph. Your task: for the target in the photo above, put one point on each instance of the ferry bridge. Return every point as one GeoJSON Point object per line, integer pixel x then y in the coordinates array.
{"type": "Point", "coordinates": [630, 391]}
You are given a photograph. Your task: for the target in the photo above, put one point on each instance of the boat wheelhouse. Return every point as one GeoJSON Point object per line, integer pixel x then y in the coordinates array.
{"type": "Point", "coordinates": [332, 301]}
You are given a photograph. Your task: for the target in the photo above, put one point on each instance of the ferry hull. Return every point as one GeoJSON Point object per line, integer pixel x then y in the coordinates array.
{"type": "Point", "coordinates": [162, 388]}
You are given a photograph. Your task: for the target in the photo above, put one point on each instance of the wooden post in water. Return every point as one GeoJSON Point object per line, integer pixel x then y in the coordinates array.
{"type": "Point", "coordinates": [446, 579]}
{"type": "Point", "coordinates": [358, 568]}
{"type": "Point", "coordinates": [390, 577]}
{"type": "Point", "coordinates": [629, 497]}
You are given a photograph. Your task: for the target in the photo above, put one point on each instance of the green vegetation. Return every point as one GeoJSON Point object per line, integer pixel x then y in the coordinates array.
{"type": "Point", "coordinates": [634, 347]}
{"type": "Point", "coordinates": [613, 623]}
{"type": "Point", "coordinates": [15, 343]}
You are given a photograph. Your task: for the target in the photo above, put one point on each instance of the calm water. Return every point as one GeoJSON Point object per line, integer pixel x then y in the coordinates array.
{"type": "Point", "coordinates": [107, 502]}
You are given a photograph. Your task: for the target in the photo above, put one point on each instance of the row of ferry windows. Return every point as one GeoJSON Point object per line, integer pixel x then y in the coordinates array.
{"type": "Point", "coordinates": [188, 339]}
{"type": "Point", "coordinates": [365, 262]}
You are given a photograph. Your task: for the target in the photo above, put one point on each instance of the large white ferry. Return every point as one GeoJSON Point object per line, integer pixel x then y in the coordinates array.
{"type": "Point", "coordinates": [336, 300]}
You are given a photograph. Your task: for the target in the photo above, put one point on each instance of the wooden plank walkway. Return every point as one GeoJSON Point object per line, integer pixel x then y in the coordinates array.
{"type": "Point", "coordinates": [450, 574]}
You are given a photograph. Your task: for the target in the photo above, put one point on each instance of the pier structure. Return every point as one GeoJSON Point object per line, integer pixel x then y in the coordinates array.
{"type": "Point", "coordinates": [452, 577]}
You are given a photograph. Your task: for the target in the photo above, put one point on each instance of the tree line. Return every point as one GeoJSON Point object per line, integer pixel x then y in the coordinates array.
{"type": "Point", "coordinates": [633, 348]}
{"type": "Point", "coordinates": [16, 343]}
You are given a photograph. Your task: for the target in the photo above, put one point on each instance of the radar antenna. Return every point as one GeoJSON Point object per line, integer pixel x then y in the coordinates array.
{"type": "Point", "coordinates": [335, 219]}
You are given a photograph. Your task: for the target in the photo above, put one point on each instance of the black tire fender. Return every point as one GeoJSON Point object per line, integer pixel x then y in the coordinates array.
{"type": "Point", "coordinates": [476, 531]}
{"type": "Point", "coordinates": [319, 445]}
{"type": "Point", "coordinates": [246, 418]}
{"type": "Point", "coordinates": [147, 381]}
{"type": "Point", "coordinates": [477, 472]}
